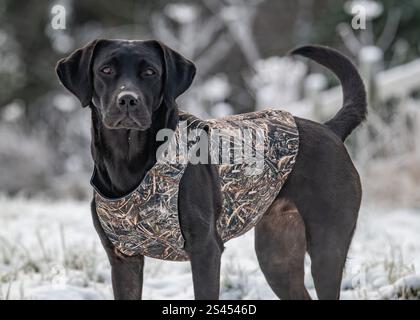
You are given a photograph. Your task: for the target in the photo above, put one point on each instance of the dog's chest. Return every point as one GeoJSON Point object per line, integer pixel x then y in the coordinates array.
{"type": "Point", "coordinates": [255, 153]}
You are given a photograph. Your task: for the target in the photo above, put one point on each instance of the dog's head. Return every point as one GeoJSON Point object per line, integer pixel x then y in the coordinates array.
{"type": "Point", "coordinates": [127, 81]}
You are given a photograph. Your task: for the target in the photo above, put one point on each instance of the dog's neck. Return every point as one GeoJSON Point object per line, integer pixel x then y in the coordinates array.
{"type": "Point", "coordinates": [122, 157]}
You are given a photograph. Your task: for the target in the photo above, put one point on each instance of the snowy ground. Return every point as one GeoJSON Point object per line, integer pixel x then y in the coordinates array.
{"type": "Point", "coordinates": [50, 251]}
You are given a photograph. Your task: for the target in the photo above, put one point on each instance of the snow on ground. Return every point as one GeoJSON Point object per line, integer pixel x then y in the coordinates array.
{"type": "Point", "coordinates": [49, 250]}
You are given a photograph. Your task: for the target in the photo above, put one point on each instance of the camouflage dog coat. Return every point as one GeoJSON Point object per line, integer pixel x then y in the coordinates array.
{"type": "Point", "coordinates": [146, 220]}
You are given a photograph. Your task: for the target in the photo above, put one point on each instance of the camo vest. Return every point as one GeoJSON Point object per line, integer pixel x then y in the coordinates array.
{"type": "Point", "coordinates": [146, 220]}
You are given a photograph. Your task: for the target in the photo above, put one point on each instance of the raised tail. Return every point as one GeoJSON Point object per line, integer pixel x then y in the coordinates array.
{"type": "Point", "coordinates": [354, 108]}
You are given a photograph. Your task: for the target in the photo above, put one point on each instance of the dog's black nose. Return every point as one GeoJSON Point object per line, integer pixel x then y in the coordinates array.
{"type": "Point", "coordinates": [127, 100]}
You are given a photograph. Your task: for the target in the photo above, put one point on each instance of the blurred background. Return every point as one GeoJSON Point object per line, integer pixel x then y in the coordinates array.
{"type": "Point", "coordinates": [240, 48]}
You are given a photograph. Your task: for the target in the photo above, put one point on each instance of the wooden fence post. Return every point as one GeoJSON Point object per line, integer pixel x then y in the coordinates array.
{"type": "Point", "coordinates": [371, 61]}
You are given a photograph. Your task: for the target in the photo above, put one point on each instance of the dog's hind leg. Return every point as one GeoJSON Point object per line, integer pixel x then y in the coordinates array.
{"type": "Point", "coordinates": [329, 208]}
{"type": "Point", "coordinates": [325, 187]}
{"type": "Point", "coordinates": [280, 245]}
{"type": "Point", "coordinates": [328, 249]}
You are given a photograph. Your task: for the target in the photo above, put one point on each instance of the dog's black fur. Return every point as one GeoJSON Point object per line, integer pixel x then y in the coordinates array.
{"type": "Point", "coordinates": [316, 211]}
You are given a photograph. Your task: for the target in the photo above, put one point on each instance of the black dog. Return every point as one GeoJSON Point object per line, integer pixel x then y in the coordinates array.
{"type": "Point", "coordinates": [316, 210]}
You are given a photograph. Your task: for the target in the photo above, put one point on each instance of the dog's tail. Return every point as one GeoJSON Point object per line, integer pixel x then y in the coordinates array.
{"type": "Point", "coordinates": [354, 108]}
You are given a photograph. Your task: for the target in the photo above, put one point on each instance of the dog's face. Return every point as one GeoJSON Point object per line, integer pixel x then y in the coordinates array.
{"type": "Point", "coordinates": [127, 81]}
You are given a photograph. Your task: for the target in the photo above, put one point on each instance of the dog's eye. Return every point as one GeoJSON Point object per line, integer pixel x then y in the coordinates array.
{"type": "Point", "coordinates": [106, 70]}
{"type": "Point", "coordinates": [149, 72]}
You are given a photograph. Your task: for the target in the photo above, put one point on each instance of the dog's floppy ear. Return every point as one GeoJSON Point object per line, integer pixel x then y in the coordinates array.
{"type": "Point", "coordinates": [75, 72]}
{"type": "Point", "coordinates": [178, 75]}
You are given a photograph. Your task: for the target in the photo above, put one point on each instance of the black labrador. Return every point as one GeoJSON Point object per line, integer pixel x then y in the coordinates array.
{"type": "Point", "coordinates": [315, 212]}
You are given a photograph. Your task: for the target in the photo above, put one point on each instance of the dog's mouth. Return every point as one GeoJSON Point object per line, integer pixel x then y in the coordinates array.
{"type": "Point", "coordinates": [128, 122]}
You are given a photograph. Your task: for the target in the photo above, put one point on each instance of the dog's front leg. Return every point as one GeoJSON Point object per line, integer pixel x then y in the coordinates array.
{"type": "Point", "coordinates": [127, 276]}
{"type": "Point", "coordinates": [199, 203]}
{"type": "Point", "coordinates": [126, 272]}
{"type": "Point", "coordinates": [205, 265]}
